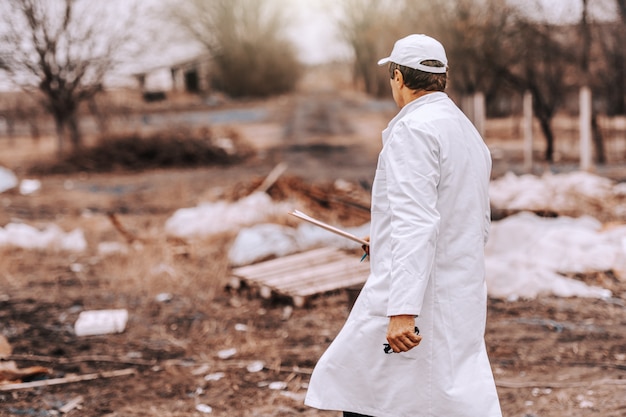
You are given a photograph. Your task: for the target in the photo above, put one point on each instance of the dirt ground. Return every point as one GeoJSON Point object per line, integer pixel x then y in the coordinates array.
{"type": "Point", "coordinates": [192, 343]}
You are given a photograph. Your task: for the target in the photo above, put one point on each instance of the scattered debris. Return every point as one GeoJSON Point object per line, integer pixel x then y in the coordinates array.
{"type": "Point", "coordinates": [203, 408]}
{"type": "Point", "coordinates": [585, 403]}
{"type": "Point", "coordinates": [296, 396]}
{"type": "Point", "coordinates": [8, 180]}
{"type": "Point", "coordinates": [277, 385]}
{"type": "Point", "coordinates": [29, 186]}
{"type": "Point", "coordinates": [256, 366]}
{"type": "Point", "coordinates": [240, 327]}
{"type": "Point", "coordinates": [215, 376]}
{"type": "Point", "coordinates": [71, 404]}
{"type": "Point", "coordinates": [112, 248]}
{"type": "Point", "coordinates": [226, 353]}
{"type": "Point", "coordinates": [98, 322]}
{"type": "Point", "coordinates": [163, 297]}
{"type": "Point", "coordinates": [201, 370]}
{"type": "Point", "coordinates": [9, 372]}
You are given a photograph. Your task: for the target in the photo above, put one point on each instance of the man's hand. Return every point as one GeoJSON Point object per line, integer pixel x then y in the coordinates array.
{"type": "Point", "coordinates": [366, 248]}
{"type": "Point", "coordinates": [401, 333]}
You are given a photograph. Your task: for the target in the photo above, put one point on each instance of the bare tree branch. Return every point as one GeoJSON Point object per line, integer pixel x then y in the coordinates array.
{"type": "Point", "coordinates": [63, 49]}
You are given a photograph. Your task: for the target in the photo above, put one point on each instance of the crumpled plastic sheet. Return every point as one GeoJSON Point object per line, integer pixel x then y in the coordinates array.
{"type": "Point", "coordinates": [51, 237]}
{"type": "Point", "coordinates": [555, 192]}
{"type": "Point", "coordinates": [264, 240]}
{"type": "Point", "coordinates": [208, 219]}
{"type": "Point", "coordinates": [527, 255]}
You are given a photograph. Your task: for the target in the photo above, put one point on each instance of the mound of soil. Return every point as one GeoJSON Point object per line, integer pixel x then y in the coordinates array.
{"type": "Point", "coordinates": [163, 150]}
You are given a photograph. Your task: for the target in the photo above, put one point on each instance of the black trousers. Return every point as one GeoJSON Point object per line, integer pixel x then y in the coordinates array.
{"type": "Point", "coordinates": [349, 414]}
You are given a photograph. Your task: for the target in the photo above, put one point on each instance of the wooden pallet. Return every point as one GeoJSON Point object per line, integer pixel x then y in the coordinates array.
{"type": "Point", "coordinates": [304, 274]}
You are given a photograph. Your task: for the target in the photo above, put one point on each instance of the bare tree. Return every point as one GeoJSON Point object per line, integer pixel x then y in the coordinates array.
{"type": "Point", "coordinates": [251, 54]}
{"type": "Point", "coordinates": [608, 67]}
{"type": "Point", "coordinates": [63, 49]}
{"type": "Point", "coordinates": [543, 64]}
{"type": "Point", "coordinates": [474, 32]}
{"type": "Point", "coordinates": [371, 27]}
{"type": "Point", "coordinates": [621, 7]}
{"type": "Point", "coordinates": [585, 51]}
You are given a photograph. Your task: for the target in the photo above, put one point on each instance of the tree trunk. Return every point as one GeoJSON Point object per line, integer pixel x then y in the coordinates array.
{"type": "Point", "coordinates": [60, 129]}
{"type": "Point", "coordinates": [546, 128]}
{"type": "Point", "coordinates": [74, 131]}
{"type": "Point", "coordinates": [598, 140]}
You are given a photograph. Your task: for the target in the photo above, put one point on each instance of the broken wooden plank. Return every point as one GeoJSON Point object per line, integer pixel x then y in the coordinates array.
{"type": "Point", "coordinates": [68, 379]}
{"type": "Point", "coordinates": [305, 274]}
{"type": "Point", "coordinates": [272, 177]}
{"type": "Point", "coordinates": [331, 270]}
{"type": "Point", "coordinates": [288, 262]}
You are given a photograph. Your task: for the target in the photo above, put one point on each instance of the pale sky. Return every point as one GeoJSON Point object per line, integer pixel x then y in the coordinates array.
{"type": "Point", "coordinates": [315, 33]}
{"type": "Point", "coordinates": [567, 11]}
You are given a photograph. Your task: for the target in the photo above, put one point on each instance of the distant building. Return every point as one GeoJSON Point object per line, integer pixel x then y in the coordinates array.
{"type": "Point", "coordinates": [189, 76]}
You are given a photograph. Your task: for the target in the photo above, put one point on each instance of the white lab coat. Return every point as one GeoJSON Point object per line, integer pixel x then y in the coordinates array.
{"type": "Point", "coordinates": [430, 220]}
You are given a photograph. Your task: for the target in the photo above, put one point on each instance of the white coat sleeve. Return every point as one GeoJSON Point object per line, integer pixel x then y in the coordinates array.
{"type": "Point", "coordinates": [413, 171]}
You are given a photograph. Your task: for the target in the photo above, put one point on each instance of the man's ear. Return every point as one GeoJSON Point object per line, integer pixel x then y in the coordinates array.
{"type": "Point", "coordinates": [398, 77]}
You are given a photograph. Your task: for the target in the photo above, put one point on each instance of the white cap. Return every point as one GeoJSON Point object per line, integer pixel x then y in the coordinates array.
{"type": "Point", "coordinates": [415, 49]}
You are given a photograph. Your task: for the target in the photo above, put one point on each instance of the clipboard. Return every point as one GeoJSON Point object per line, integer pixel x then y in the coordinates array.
{"type": "Point", "coordinates": [328, 227]}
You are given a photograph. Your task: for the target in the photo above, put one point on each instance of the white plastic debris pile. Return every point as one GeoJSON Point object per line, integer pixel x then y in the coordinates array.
{"type": "Point", "coordinates": [559, 193]}
{"type": "Point", "coordinates": [212, 218]}
{"type": "Point", "coordinates": [266, 240]}
{"type": "Point", "coordinates": [51, 237]}
{"type": "Point", "coordinates": [526, 256]}
{"type": "Point", "coordinates": [8, 181]}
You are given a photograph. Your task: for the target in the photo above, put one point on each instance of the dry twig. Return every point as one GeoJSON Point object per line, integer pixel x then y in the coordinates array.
{"type": "Point", "coordinates": [67, 380]}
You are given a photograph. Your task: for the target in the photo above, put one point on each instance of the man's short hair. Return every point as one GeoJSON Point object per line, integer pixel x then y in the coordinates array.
{"type": "Point", "coordinates": [420, 80]}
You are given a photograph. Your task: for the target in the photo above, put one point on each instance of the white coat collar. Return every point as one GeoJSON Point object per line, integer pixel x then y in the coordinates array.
{"type": "Point", "coordinates": [415, 104]}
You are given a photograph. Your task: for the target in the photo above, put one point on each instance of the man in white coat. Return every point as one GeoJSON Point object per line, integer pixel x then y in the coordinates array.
{"type": "Point", "coordinates": [430, 221]}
